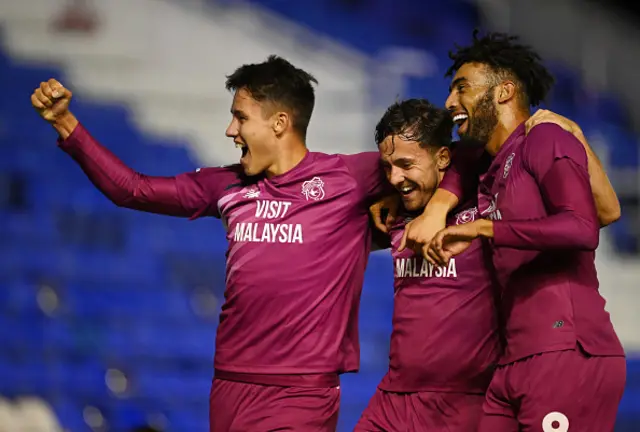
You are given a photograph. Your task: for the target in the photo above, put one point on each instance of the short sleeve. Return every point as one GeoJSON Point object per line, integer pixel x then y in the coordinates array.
{"type": "Point", "coordinates": [452, 182]}
{"type": "Point", "coordinates": [367, 171]}
{"type": "Point", "coordinates": [547, 143]}
{"type": "Point", "coordinates": [200, 191]}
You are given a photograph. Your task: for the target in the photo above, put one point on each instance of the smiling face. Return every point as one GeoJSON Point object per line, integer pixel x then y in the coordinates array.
{"type": "Point", "coordinates": [252, 129]}
{"type": "Point", "coordinates": [472, 103]}
{"type": "Point", "coordinates": [413, 170]}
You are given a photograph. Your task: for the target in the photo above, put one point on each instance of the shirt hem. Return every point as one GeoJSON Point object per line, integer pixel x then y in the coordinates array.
{"type": "Point", "coordinates": [317, 380]}
{"type": "Point", "coordinates": [566, 347]}
{"type": "Point", "coordinates": [281, 370]}
{"type": "Point", "coordinates": [431, 389]}
{"type": "Point", "coordinates": [74, 138]}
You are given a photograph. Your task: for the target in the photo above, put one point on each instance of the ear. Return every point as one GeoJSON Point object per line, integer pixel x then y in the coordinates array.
{"type": "Point", "coordinates": [281, 122]}
{"type": "Point", "coordinates": [443, 158]}
{"type": "Point", "coordinates": [506, 91]}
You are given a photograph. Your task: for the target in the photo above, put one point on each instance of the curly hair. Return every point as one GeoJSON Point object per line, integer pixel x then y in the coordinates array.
{"type": "Point", "coordinates": [507, 58]}
{"type": "Point", "coordinates": [416, 120]}
{"type": "Point", "coordinates": [278, 82]}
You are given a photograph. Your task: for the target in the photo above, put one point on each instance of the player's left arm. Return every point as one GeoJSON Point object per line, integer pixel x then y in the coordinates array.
{"type": "Point", "coordinates": [606, 200]}
{"type": "Point", "coordinates": [558, 163]}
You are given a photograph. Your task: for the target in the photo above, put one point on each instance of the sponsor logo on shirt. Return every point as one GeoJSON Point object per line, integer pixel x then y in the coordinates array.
{"type": "Point", "coordinates": [419, 267]}
{"type": "Point", "coordinates": [466, 216]}
{"type": "Point", "coordinates": [252, 193]}
{"type": "Point", "coordinates": [272, 231]}
{"type": "Point", "coordinates": [313, 189]}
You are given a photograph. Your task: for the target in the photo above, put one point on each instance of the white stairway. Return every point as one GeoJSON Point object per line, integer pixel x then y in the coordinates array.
{"type": "Point", "coordinates": [168, 63]}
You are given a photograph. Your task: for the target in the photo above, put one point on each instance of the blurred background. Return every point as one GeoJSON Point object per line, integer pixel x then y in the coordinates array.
{"type": "Point", "coordinates": [108, 316]}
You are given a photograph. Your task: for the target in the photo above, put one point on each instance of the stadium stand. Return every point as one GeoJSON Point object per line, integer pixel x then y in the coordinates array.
{"type": "Point", "coordinates": [110, 315]}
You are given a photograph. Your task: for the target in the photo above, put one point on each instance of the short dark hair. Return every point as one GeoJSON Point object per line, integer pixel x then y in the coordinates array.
{"type": "Point", "coordinates": [416, 120]}
{"type": "Point", "coordinates": [506, 56]}
{"type": "Point", "coordinates": [278, 82]}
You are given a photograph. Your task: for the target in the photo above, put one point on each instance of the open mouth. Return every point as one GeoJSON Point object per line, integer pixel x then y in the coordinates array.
{"type": "Point", "coordinates": [406, 190]}
{"type": "Point", "coordinates": [460, 120]}
{"type": "Point", "coordinates": [243, 147]}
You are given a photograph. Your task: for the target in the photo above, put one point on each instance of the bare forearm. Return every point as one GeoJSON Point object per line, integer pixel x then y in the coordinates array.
{"type": "Point", "coordinates": [606, 200]}
{"type": "Point", "coordinates": [65, 125]}
{"type": "Point", "coordinates": [441, 203]}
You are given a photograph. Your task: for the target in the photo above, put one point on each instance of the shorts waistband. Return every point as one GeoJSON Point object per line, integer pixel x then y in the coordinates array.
{"type": "Point", "coordinates": [282, 380]}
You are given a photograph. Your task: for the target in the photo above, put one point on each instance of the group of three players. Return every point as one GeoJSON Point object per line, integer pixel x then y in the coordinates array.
{"type": "Point", "coordinates": [498, 324]}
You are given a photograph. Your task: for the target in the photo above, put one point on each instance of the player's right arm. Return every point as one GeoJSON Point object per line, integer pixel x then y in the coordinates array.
{"type": "Point", "coordinates": [186, 195]}
{"type": "Point", "coordinates": [458, 181]}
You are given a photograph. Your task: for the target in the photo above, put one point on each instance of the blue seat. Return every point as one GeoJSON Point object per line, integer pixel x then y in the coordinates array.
{"type": "Point", "coordinates": [25, 227]}
{"type": "Point", "coordinates": [171, 385]}
{"type": "Point", "coordinates": [70, 413]}
{"type": "Point", "coordinates": [19, 296]}
{"type": "Point", "coordinates": [187, 419]}
{"type": "Point", "coordinates": [124, 415]}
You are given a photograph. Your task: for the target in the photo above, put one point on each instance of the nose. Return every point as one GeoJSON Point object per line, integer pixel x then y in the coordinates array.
{"type": "Point", "coordinates": [232, 129]}
{"type": "Point", "coordinates": [396, 176]}
{"type": "Point", "coordinates": [452, 102]}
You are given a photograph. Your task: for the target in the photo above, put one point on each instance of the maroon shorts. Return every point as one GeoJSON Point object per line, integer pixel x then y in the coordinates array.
{"type": "Point", "coordinates": [562, 391]}
{"type": "Point", "coordinates": [421, 411]}
{"type": "Point", "coordinates": [240, 407]}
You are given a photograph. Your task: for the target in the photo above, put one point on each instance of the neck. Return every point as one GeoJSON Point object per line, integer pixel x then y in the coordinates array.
{"type": "Point", "coordinates": [508, 122]}
{"type": "Point", "coordinates": [290, 154]}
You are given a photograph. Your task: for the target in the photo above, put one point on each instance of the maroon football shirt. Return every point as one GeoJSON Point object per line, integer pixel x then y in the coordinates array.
{"type": "Point", "coordinates": [546, 231]}
{"type": "Point", "coordinates": [298, 248]}
{"type": "Point", "coordinates": [445, 326]}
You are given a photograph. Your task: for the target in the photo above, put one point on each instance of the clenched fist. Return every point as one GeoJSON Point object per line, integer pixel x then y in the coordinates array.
{"type": "Point", "coordinates": [51, 101]}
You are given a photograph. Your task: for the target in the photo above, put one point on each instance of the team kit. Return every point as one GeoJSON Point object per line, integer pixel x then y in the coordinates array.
{"type": "Point", "coordinates": [497, 319]}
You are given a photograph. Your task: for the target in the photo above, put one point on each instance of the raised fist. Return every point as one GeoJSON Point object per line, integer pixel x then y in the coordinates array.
{"type": "Point", "coordinates": [51, 100]}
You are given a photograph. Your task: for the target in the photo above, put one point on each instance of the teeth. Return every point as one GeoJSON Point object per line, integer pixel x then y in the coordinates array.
{"type": "Point", "coordinates": [240, 145]}
{"type": "Point", "coordinates": [460, 117]}
{"type": "Point", "coordinates": [406, 189]}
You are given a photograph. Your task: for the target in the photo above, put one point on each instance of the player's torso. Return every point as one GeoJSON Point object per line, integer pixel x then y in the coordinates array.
{"type": "Point", "coordinates": [439, 313]}
{"type": "Point", "coordinates": [543, 293]}
{"type": "Point", "coordinates": [298, 247]}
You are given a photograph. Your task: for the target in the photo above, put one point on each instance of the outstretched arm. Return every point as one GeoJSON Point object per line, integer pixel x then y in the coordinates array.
{"type": "Point", "coordinates": [187, 195]}
{"type": "Point", "coordinates": [127, 188]}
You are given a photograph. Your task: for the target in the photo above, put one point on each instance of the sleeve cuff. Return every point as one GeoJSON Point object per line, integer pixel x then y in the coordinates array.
{"type": "Point", "coordinates": [77, 136]}
{"type": "Point", "coordinates": [502, 234]}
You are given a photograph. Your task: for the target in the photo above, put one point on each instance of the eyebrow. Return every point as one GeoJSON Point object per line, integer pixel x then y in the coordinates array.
{"type": "Point", "coordinates": [238, 113]}
{"type": "Point", "coordinates": [403, 161]}
{"type": "Point", "coordinates": [456, 82]}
